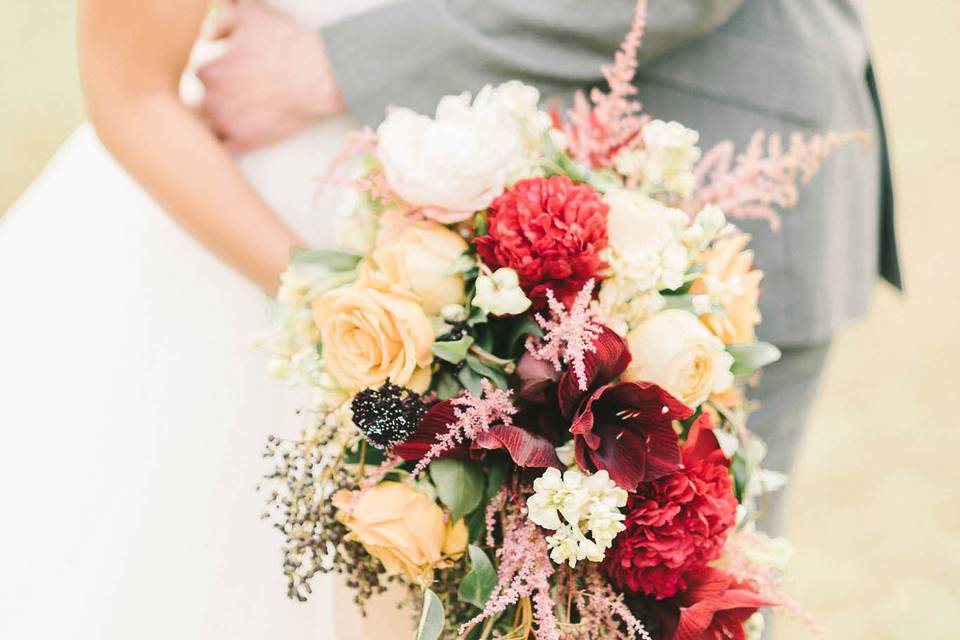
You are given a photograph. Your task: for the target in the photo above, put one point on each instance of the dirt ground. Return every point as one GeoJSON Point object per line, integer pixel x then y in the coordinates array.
{"type": "Point", "coordinates": [876, 495]}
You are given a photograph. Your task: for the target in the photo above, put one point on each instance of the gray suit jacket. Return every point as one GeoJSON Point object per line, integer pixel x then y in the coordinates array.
{"type": "Point", "coordinates": [724, 67]}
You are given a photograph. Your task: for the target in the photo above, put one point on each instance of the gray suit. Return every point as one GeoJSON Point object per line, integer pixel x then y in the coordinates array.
{"type": "Point", "coordinates": [724, 67]}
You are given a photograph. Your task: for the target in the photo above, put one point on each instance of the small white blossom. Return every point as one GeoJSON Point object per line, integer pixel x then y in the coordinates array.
{"type": "Point", "coordinates": [754, 626]}
{"type": "Point", "coordinates": [500, 293]}
{"type": "Point", "coordinates": [665, 162]}
{"type": "Point", "coordinates": [588, 505]}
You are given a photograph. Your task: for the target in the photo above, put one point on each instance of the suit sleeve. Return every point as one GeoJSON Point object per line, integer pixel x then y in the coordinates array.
{"type": "Point", "coordinates": [412, 52]}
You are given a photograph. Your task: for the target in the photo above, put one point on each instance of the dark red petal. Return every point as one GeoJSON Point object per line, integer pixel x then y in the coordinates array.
{"type": "Point", "coordinates": [526, 449]}
{"type": "Point", "coordinates": [537, 379]}
{"type": "Point", "coordinates": [435, 422]}
{"type": "Point", "coordinates": [663, 451]}
{"type": "Point", "coordinates": [646, 402]}
{"type": "Point", "coordinates": [623, 454]}
{"type": "Point", "coordinates": [602, 367]}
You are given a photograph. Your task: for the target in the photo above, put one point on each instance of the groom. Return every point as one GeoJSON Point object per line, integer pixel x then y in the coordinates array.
{"type": "Point", "coordinates": [723, 67]}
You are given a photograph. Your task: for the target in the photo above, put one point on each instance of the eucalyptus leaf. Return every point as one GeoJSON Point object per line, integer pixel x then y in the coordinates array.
{"type": "Point", "coordinates": [494, 373]}
{"type": "Point", "coordinates": [431, 618]}
{"type": "Point", "coordinates": [330, 259]}
{"type": "Point", "coordinates": [446, 386]}
{"type": "Point", "coordinates": [478, 584]}
{"type": "Point", "coordinates": [747, 358]}
{"type": "Point", "coordinates": [471, 381]}
{"type": "Point", "coordinates": [459, 485]}
{"type": "Point", "coordinates": [453, 351]}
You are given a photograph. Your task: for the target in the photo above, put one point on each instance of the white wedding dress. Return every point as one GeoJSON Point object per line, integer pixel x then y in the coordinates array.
{"type": "Point", "coordinates": [133, 411]}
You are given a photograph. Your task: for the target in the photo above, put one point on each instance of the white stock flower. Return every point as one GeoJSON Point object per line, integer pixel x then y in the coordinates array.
{"type": "Point", "coordinates": [587, 504]}
{"type": "Point", "coordinates": [458, 161]}
{"type": "Point", "coordinates": [675, 351]}
{"type": "Point", "coordinates": [665, 163]}
{"type": "Point", "coordinates": [500, 294]}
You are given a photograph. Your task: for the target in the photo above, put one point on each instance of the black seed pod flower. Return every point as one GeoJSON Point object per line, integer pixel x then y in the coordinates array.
{"type": "Point", "coordinates": [387, 416]}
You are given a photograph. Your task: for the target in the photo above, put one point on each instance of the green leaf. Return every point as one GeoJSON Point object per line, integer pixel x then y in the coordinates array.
{"type": "Point", "coordinates": [453, 351]}
{"type": "Point", "coordinates": [446, 385]}
{"type": "Point", "coordinates": [431, 619]}
{"type": "Point", "coordinates": [516, 334]}
{"type": "Point", "coordinates": [477, 585]}
{"type": "Point", "coordinates": [471, 381]}
{"type": "Point", "coordinates": [476, 525]}
{"type": "Point", "coordinates": [459, 484]}
{"type": "Point", "coordinates": [747, 358]}
{"type": "Point", "coordinates": [329, 259]}
{"type": "Point", "coordinates": [493, 372]}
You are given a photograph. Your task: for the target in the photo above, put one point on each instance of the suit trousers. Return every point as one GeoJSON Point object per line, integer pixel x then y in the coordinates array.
{"type": "Point", "coordinates": [785, 393]}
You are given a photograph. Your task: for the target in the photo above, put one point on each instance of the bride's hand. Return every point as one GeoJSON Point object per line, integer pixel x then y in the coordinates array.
{"type": "Point", "coordinates": [273, 80]}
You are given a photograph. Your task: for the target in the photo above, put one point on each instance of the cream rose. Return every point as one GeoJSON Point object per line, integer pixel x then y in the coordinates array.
{"type": "Point", "coordinates": [403, 529]}
{"type": "Point", "coordinates": [456, 163]}
{"type": "Point", "coordinates": [372, 332]}
{"type": "Point", "coordinates": [674, 350]}
{"type": "Point", "coordinates": [418, 255]}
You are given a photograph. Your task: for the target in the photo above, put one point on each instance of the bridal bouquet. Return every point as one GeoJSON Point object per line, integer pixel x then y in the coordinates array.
{"type": "Point", "coordinates": [527, 359]}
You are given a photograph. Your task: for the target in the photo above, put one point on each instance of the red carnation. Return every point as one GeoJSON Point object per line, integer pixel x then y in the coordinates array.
{"type": "Point", "coordinates": [678, 523]}
{"type": "Point", "coordinates": [550, 231]}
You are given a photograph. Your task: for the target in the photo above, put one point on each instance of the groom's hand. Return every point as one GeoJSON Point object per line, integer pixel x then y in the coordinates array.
{"type": "Point", "coordinates": [273, 81]}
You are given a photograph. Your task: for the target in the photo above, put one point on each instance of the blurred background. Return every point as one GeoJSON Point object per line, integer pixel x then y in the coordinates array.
{"type": "Point", "coordinates": [876, 495]}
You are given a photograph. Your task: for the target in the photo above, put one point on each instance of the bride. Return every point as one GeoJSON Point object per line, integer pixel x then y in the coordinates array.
{"type": "Point", "coordinates": [133, 411]}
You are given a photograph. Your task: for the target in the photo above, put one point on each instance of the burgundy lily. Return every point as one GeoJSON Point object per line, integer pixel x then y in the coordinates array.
{"type": "Point", "coordinates": [624, 428]}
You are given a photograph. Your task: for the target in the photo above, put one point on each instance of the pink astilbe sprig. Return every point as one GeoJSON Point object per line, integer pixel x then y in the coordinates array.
{"type": "Point", "coordinates": [472, 416]}
{"type": "Point", "coordinates": [603, 614]}
{"type": "Point", "coordinates": [610, 120]}
{"type": "Point", "coordinates": [524, 572]}
{"type": "Point", "coordinates": [764, 176]}
{"type": "Point", "coordinates": [355, 144]}
{"type": "Point", "coordinates": [569, 334]}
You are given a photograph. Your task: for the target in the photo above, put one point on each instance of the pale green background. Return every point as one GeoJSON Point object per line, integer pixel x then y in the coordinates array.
{"type": "Point", "coordinates": [877, 495]}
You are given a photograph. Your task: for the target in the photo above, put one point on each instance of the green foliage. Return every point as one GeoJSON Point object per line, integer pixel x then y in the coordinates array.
{"type": "Point", "coordinates": [747, 358]}
{"type": "Point", "coordinates": [453, 351]}
{"type": "Point", "coordinates": [459, 485]}
{"type": "Point", "coordinates": [325, 259]}
{"type": "Point", "coordinates": [431, 618]}
{"type": "Point", "coordinates": [488, 370]}
{"type": "Point", "coordinates": [480, 581]}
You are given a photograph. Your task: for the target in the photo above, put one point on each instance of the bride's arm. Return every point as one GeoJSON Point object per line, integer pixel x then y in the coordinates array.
{"type": "Point", "coordinates": [132, 53]}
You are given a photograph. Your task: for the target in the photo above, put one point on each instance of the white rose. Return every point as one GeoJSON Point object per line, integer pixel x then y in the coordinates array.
{"type": "Point", "coordinates": [674, 350]}
{"type": "Point", "coordinates": [457, 162]}
{"type": "Point", "coordinates": [637, 223]}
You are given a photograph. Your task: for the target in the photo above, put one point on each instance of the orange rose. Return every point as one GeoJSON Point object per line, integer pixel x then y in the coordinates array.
{"type": "Point", "coordinates": [729, 275]}
{"type": "Point", "coordinates": [404, 529]}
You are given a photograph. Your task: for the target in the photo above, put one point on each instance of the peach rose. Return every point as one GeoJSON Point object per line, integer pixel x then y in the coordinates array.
{"type": "Point", "coordinates": [372, 332]}
{"type": "Point", "coordinates": [729, 276]}
{"type": "Point", "coordinates": [403, 528]}
{"type": "Point", "coordinates": [418, 255]}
